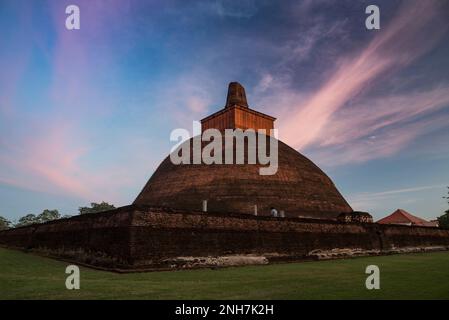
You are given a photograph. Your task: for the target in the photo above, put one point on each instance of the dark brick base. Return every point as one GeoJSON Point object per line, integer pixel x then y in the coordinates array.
{"type": "Point", "coordinates": [133, 238]}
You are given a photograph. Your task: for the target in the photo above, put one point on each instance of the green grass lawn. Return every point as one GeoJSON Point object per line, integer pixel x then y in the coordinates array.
{"type": "Point", "coordinates": [413, 276]}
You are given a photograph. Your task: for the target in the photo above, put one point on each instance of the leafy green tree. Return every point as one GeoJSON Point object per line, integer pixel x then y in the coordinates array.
{"type": "Point", "coordinates": [96, 207]}
{"type": "Point", "coordinates": [48, 215]}
{"type": "Point", "coordinates": [4, 223]}
{"type": "Point", "coordinates": [27, 220]}
{"type": "Point", "coordinates": [443, 221]}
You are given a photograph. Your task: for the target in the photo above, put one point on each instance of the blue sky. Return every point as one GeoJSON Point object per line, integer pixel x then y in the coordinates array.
{"type": "Point", "coordinates": [86, 115]}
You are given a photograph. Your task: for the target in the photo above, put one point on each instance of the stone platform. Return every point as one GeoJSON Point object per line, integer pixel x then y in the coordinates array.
{"type": "Point", "coordinates": [140, 238]}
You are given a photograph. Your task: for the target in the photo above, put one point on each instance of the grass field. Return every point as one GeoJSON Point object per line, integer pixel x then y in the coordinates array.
{"type": "Point", "coordinates": [414, 276]}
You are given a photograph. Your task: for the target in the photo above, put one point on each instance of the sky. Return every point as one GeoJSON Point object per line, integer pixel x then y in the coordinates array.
{"type": "Point", "coordinates": [86, 115]}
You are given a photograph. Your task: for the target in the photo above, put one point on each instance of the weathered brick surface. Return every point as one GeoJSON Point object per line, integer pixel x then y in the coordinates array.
{"type": "Point", "coordinates": [99, 239]}
{"type": "Point", "coordinates": [299, 187]}
{"type": "Point", "coordinates": [133, 237]}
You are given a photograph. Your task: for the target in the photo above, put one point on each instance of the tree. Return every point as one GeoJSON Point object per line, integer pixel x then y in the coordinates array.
{"type": "Point", "coordinates": [48, 215]}
{"type": "Point", "coordinates": [96, 207]}
{"type": "Point", "coordinates": [27, 220]}
{"type": "Point", "coordinates": [4, 223]}
{"type": "Point", "coordinates": [443, 221]}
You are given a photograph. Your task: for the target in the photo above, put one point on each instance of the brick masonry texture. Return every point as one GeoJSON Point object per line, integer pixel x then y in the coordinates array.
{"type": "Point", "coordinates": [140, 237]}
{"type": "Point", "coordinates": [299, 187]}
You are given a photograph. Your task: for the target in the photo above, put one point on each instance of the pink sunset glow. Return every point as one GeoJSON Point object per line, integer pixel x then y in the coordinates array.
{"type": "Point", "coordinates": [403, 41]}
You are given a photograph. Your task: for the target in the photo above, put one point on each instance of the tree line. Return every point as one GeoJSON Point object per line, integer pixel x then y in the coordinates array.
{"type": "Point", "coordinates": [50, 215]}
{"type": "Point", "coordinates": [443, 221]}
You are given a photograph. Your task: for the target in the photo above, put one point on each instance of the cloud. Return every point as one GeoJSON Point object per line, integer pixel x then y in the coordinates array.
{"type": "Point", "coordinates": [415, 30]}
{"type": "Point", "coordinates": [45, 161]}
{"type": "Point", "coordinates": [380, 127]}
{"type": "Point", "coordinates": [371, 115]}
{"type": "Point", "coordinates": [378, 201]}
{"type": "Point", "coordinates": [49, 147]}
{"type": "Point", "coordinates": [314, 39]}
{"type": "Point", "coordinates": [57, 159]}
{"type": "Point", "coordinates": [188, 96]}
{"type": "Point", "coordinates": [236, 8]}
{"type": "Point", "coordinates": [398, 191]}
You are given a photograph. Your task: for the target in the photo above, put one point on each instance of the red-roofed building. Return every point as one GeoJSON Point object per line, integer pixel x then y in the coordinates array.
{"type": "Point", "coordinates": [402, 217]}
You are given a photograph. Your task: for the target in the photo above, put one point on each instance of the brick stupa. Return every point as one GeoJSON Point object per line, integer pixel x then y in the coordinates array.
{"type": "Point", "coordinates": [298, 189]}
{"type": "Point", "coordinates": [166, 229]}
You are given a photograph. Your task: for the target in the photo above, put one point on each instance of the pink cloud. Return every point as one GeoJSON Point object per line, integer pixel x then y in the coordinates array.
{"type": "Point", "coordinates": [50, 152]}
{"type": "Point", "coordinates": [55, 160]}
{"type": "Point", "coordinates": [187, 97]}
{"type": "Point", "coordinates": [45, 161]}
{"type": "Point", "coordinates": [414, 31]}
{"type": "Point", "coordinates": [383, 144]}
{"type": "Point", "coordinates": [371, 115]}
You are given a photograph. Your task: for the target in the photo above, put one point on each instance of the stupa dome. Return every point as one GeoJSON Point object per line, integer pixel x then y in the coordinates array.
{"type": "Point", "coordinates": [299, 188]}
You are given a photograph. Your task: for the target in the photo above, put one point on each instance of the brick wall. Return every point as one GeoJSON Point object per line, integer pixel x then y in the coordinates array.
{"type": "Point", "coordinates": [133, 237]}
